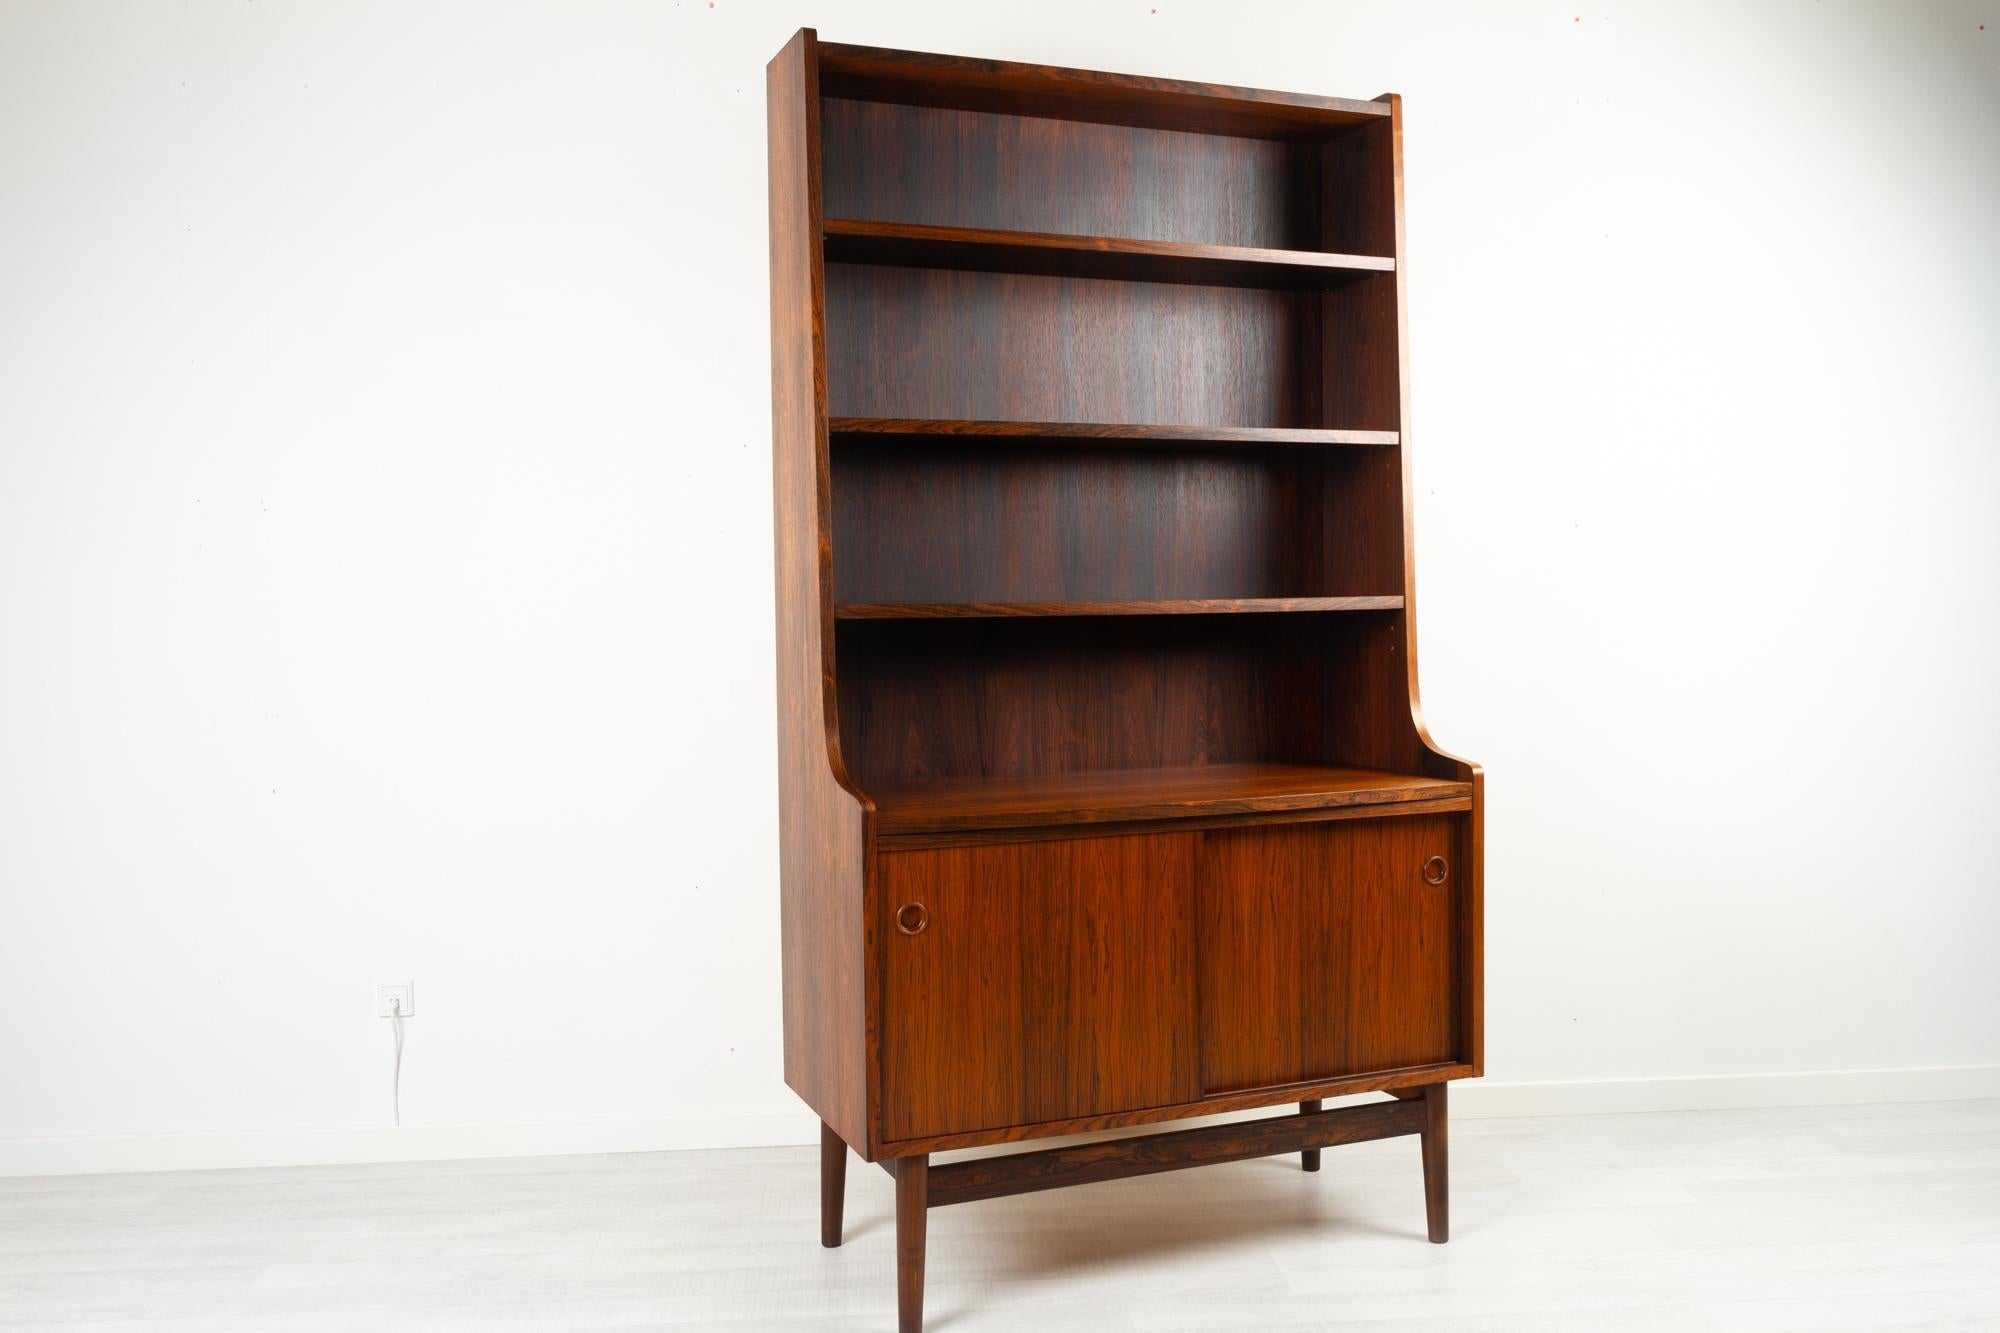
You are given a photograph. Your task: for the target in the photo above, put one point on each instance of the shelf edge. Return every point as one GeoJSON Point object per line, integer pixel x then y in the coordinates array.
{"type": "Point", "coordinates": [934, 831]}
{"type": "Point", "coordinates": [952, 428]}
{"type": "Point", "coordinates": [979, 249]}
{"type": "Point", "coordinates": [1160, 607]}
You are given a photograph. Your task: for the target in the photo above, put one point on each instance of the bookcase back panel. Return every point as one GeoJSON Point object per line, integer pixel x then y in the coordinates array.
{"type": "Point", "coordinates": [932, 165]}
{"type": "Point", "coordinates": [935, 343]}
{"type": "Point", "coordinates": [922, 700]}
{"type": "Point", "coordinates": [1032, 524]}
{"type": "Point", "coordinates": [1359, 331]}
{"type": "Point", "coordinates": [1361, 521]}
{"type": "Point", "coordinates": [1358, 191]}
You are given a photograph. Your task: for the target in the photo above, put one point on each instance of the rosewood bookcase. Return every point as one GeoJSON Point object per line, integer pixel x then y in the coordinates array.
{"type": "Point", "coordinates": [1105, 795]}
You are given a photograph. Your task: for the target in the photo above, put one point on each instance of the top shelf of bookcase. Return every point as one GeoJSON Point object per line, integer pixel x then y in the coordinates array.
{"type": "Point", "coordinates": [867, 242]}
{"type": "Point", "coordinates": [875, 74]}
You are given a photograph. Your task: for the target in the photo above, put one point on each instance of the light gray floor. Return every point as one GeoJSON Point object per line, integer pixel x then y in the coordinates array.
{"type": "Point", "coordinates": [1862, 1217]}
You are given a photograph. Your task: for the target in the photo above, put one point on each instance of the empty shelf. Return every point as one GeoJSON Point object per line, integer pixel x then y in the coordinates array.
{"type": "Point", "coordinates": [860, 242]}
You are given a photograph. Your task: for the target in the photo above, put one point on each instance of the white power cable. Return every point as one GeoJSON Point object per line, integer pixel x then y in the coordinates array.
{"type": "Point", "coordinates": [396, 1082]}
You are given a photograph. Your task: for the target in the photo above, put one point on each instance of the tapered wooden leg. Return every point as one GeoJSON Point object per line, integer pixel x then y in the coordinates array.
{"type": "Point", "coordinates": [913, 1177]}
{"type": "Point", "coordinates": [1437, 1185]}
{"type": "Point", "coordinates": [832, 1185]}
{"type": "Point", "coordinates": [1309, 1158]}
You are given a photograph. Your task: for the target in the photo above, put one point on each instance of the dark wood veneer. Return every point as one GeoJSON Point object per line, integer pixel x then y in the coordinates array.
{"type": "Point", "coordinates": [1054, 528]}
{"type": "Point", "coordinates": [832, 1185]}
{"type": "Point", "coordinates": [1086, 96]}
{"type": "Point", "coordinates": [946, 431]}
{"type": "Point", "coordinates": [1125, 795]}
{"type": "Point", "coordinates": [1184, 606]}
{"type": "Point", "coordinates": [1309, 1157]}
{"type": "Point", "coordinates": [823, 835]}
{"type": "Point", "coordinates": [1106, 798]}
{"type": "Point", "coordinates": [919, 342]}
{"type": "Point", "coordinates": [1050, 981]}
{"type": "Point", "coordinates": [1149, 1154]}
{"type": "Point", "coordinates": [1437, 1179]}
{"type": "Point", "coordinates": [1037, 696]}
{"type": "Point", "coordinates": [1361, 977]}
{"type": "Point", "coordinates": [988, 250]}
{"type": "Point", "coordinates": [1396, 1081]}
{"type": "Point", "coordinates": [943, 167]}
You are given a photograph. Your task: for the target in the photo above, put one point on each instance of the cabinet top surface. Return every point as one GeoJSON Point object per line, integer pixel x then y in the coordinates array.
{"type": "Point", "coordinates": [1144, 793]}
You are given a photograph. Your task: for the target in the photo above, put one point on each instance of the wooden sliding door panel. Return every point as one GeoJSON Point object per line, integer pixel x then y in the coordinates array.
{"type": "Point", "coordinates": [1025, 982]}
{"type": "Point", "coordinates": [1326, 950]}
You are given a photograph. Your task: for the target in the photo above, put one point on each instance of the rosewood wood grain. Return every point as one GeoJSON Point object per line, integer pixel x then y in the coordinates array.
{"type": "Point", "coordinates": [1360, 351]}
{"type": "Point", "coordinates": [1122, 795]}
{"type": "Point", "coordinates": [1379, 222]}
{"type": "Point", "coordinates": [822, 836]}
{"type": "Point", "coordinates": [1324, 952]}
{"type": "Point", "coordinates": [945, 430]}
{"type": "Point", "coordinates": [1085, 96]}
{"type": "Point", "coordinates": [1184, 823]}
{"type": "Point", "coordinates": [1095, 574]}
{"type": "Point", "coordinates": [1362, 346]}
{"type": "Point", "coordinates": [1472, 928]}
{"type": "Point", "coordinates": [1360, 539]}
{"type": "Point", "coordinates": [984, 249]}
{"type": "Point", "coordinates": [941, 166]}
{"type": "Point", "coordinates": [912, 1222]}
{"type": "Point", "coordinates": [1076, 522]}
{"type": "Point", "coordinates": [1357, 188]}
{"type": "Point", "coordinates": [1363, 358]}
{"type": "Point", "coordinates": [1210, 1105]}
{"type": "Point", "coordinates": [1186, 606]}
{"type": "Point", "coordinates": [1050, 980]}
{"type": "Point", "coordinates": [929, 699]}
{"type": "Point", "coordinates": [1437, 1181]}
{"type": "Point", "coordinates": [1149, 1154]}
{"type": "Point", "coordinates": [832, 1185]}
{"type": "Point", "coordinates": [917, 342]}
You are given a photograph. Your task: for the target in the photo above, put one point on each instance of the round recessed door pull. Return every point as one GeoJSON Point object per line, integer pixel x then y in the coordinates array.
{"type": "Point", "coordinates": [1435, 870]}
{"type": "Point", "coordinates": [911, 918]}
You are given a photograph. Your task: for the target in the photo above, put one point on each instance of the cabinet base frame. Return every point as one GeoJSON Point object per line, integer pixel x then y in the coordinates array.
{"type": "Point", "coordinates": [921, 1186]}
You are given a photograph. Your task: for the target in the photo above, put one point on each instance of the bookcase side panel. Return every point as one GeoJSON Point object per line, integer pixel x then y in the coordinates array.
{"type": "Point", "coordinates": [822, 829]}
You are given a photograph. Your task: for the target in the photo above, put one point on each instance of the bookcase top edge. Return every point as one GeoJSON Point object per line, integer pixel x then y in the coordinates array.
{"type": "Point", "coordinates": [883, 74]}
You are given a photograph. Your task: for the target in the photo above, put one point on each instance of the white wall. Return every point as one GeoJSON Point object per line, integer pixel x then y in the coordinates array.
{"type": "Point", "coordinates": [385, 545]}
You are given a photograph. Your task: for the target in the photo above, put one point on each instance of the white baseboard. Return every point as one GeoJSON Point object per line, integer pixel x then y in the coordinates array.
{"type": "Point", "coordinates": [348, 1144]}
{"type": "Point", "coordinates": [1483, 1098]}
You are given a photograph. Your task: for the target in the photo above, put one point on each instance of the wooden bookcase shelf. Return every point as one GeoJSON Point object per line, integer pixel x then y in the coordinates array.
{"type": "Point", "coordinates": [1028, 432]}
{"type": "Point", "coordinates": [1150, 794]}
{"type": "Point", "coordinates": [1104, 797]}
{"type": "Point", "coordinates": [857, 241]}
{"type": "Point", "coordinates": [1185, 606]}
{"type": "Point", "coordinates": [1084, 96]}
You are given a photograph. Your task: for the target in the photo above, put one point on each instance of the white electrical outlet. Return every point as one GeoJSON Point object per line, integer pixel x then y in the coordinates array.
{"type": "Point", "coordinates": [395, 997]}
